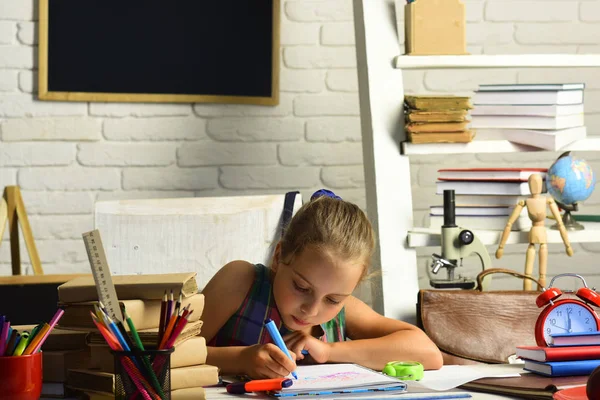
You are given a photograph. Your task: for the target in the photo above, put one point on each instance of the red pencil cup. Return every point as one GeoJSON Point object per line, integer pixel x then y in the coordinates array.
{"type": "Point", "coordinates": [21, 377]}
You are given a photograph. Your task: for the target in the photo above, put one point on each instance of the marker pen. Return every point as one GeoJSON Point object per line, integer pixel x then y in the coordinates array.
{"type": "Point", "coordinates": [259, 385]}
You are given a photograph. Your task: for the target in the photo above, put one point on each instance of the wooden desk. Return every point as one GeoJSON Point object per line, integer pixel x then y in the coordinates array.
{"type": "Point", "coordinates": [31, 299]}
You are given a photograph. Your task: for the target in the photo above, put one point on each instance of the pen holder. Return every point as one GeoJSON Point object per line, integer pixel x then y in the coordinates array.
{"type": "Point", "coordinates": [435, 27]}
{"type": "Point", "coordinates": [143, 374]}
{"type": "Point", "coordinates": [21, 377]}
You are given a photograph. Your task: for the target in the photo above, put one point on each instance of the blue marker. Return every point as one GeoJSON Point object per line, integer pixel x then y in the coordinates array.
{"type": "Point", "coordinates": [276, 336]}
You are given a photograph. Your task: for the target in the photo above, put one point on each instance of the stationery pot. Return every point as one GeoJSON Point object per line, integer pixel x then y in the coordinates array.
{"type": "Point", "coordinates": [21, 377]}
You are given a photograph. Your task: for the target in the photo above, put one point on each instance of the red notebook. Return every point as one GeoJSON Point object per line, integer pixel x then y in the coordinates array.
{"type": "Point", "coordinates": [567, 353]}
{"type": "Point", "coordinates": [489, 174]}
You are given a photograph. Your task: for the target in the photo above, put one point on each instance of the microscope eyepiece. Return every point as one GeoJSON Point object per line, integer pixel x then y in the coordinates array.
{"type": "Point", "coordinates": [449, 208]}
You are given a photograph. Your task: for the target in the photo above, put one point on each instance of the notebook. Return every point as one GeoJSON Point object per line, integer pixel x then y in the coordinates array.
{"type": "Point", "coordinates": [331, 379]}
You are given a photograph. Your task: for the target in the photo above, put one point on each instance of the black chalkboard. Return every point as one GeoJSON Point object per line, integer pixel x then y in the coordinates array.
{"type": "Point", "coordinates": [160, 50]}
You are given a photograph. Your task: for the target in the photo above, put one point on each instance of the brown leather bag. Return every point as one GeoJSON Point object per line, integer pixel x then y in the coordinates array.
{"type": "Point", "coordinates": [473, 326]}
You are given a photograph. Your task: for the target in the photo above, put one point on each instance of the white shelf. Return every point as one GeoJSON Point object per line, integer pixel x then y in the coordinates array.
{"type": "Point", "coordinates": [491, 146]}
{"type": "Point", "coordinates": [423, 237]}
{"type": "Point", "coordinates": [498, 61]}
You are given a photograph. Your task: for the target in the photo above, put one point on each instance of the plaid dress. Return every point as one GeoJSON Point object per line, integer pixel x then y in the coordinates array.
{"type": "Point", "coordinates": [246, 326]}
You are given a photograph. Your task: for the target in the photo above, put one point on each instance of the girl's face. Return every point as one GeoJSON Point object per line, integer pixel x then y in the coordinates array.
{"type": "Point", "coordinates": [312, 288]}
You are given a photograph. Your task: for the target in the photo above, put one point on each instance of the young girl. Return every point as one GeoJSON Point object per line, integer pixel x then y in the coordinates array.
{"type": "Point", "coordinates": [321, 258]}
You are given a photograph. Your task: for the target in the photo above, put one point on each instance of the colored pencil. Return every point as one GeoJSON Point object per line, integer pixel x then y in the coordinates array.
{"type": "Point", "coordinates": [37, 339]}
{"type": "Point", "coordinates": [53, 322]}
{"type": "Point", "coordinates": [169, 311]}
{"type": "Point", "coordinates": [161, 322]}
{"type": "Point", "coordinates": [140, 346]}
{"type": "Point", "coordinates": [128, 367]}
{"type": "Point", "coordinates": [20, 347]}
{"type": "Point", "coordinates": [4, 336]}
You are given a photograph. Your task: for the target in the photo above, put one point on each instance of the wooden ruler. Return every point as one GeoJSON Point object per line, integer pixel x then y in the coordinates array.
{"type": "Point", "coordinates": [101, 273]}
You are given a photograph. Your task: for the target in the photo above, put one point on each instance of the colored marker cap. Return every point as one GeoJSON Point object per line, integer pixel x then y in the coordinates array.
{"type": "Point", "coordinates": [236, 388]}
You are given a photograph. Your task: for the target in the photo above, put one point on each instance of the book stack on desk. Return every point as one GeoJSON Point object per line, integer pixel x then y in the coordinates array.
{"type": "Point", "coordinates": [547, 116]}
{"type": "Point", "coordinates": [571, 355]}
{"type": "Point", "coordinates": [64, 349]}
{"type": "Point", "coordinates": [437, 119]}
{"type": "Point", "coordinates": [484, 197]}
{"type": "Point", "coordinates": [142, 296]}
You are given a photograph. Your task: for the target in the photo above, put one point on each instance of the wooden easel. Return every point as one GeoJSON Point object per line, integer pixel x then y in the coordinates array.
{"type": "Point", "coordinates": [12, 209]}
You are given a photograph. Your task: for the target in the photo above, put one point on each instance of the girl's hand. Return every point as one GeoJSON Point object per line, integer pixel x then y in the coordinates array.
{"type": "Point", "coordinates": [267, 361]}
{"type": "Point", "coordinates": [298, 341]}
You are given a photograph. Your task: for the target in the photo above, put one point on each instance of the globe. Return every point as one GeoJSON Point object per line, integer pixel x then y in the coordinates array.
{"type": "Point", "coordinates": [570, 180]}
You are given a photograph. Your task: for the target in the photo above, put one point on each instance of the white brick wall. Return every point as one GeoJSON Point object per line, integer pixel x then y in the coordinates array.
{"type": "Point", "coordinates": [65, 156]}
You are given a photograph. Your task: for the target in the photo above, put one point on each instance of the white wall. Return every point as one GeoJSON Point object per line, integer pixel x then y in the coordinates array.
{"type": "Point", "coordinates": [65, 156]}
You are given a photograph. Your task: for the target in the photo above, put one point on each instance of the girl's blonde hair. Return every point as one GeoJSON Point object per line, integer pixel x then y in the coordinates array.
{"type": "Point", "coordinates": [329, 224]}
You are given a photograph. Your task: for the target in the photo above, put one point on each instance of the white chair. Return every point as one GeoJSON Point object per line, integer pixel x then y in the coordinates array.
{"type": "Point", "coordinates": [189, 234]}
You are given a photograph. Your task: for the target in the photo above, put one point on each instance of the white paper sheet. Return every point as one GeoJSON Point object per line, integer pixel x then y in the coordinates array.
{"type": "Point", "coordinates": [451, 376]}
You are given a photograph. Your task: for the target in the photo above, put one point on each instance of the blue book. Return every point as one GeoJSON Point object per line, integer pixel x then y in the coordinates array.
{"type": "Point", "coordinates": [562, 368]}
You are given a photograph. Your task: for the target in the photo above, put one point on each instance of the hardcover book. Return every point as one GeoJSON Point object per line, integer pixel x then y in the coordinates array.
{"type": "Point", "coordinates": [437, 116]}
{"type": "Point", "coordinates": [438, 103]}
{"type": "Point", "coordinates": [418, 127]}
{"type": "Point", "coordinates": [528, 386]}
{"type": "Point", "coordinates": [187, 353]}
{"type": "Point", "coordinates": [130, 287]}
{"type": "Point", "coordinates": [144, 313]}
{"type": "Point", "coordinates": [149, 337]}
{"type": "Point", "coordinates": [567, 353]}
{"type": "Point", "coordinates": [487, 174]}
{"type": "Point", "coordinates": [562, 368]}
{"type": "Point", "coordinates": [181, 378]}
{"type": "Point", "coordinates": [441, 137]}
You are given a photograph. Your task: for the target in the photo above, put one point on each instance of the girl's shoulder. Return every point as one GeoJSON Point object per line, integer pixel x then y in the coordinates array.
{"type": "Point", "coordinates": [234, 278]}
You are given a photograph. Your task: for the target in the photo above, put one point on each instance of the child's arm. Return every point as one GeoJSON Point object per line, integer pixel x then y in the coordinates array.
{"type": "Point", "coordinates": [223, 295]}
{"type": "Point", "coordinates": [377, 340]}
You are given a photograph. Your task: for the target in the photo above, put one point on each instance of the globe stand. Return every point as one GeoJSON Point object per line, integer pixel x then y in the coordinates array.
{"type": "Point", "coordinates": [567, 218]}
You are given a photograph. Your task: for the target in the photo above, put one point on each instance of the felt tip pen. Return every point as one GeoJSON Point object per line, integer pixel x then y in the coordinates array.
{"type": "Point", "coordinates": [278, 340]}
{"type": "Point", "coordinates": [259, 385]}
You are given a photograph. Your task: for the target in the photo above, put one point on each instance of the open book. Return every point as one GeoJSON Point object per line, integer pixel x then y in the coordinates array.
{"type": "Point", "coordinates": [331, 379]}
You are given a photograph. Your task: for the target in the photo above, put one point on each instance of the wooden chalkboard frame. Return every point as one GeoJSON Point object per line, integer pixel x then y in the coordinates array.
{"type": "Point", "coordinates": [44, 94]}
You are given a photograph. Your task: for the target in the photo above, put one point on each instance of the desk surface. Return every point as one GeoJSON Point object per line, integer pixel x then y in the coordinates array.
{"type": "Point", "coordinates": [219, 393]}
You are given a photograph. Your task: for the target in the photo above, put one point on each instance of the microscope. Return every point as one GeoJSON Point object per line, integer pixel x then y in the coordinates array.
{"type": "Point", "coordinates": [457, 243]}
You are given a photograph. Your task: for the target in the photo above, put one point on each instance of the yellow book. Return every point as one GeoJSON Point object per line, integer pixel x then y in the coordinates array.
{"type": "Point", "coordinates": [437, 116]}
{"type": "Point", "coordinates": [181, 378]}
{"type": "Point", "coordinates": [129, 287]}
{"type": "Point", "coordinates": [437, 127]}
{"type": "Point", "coordinates": [195, 393]}
{"type": "Point", "coordinates": [144, 313]}
{"type": "Point", "coordinates": [442, 137]}
{"type": "Point", "coordinates": [438, 102]}
{"type": "Point", "coordinates": [190, 352]}
{"type": "Point", "coordinates": [149, 337]}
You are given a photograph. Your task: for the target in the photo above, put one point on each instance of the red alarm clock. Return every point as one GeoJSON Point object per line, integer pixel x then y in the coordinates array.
{"type": "Point", "coordinates": [566, 315]}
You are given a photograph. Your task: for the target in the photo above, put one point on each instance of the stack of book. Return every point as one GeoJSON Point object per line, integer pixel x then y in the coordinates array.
{"type": "Point", "coordinates": [63, 349]}
{"type": "Point", "coordinates": [438, 119]}
{"type": "Point", "coordinates": [142, 296]}
{"type": "Point", "coordinates": [484, 197]}
{"type": "Point", "coordinates": [547, 116]}
{"type": "Point", "coordinates": [570, 355]}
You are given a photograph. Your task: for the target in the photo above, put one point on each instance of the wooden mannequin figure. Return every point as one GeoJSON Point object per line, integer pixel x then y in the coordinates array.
{"type": "Point", "coordinates": [536, 211]}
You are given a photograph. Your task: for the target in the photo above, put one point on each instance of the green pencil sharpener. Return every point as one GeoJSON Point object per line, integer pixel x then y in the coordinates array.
{"type": "Point", "coordinates": [405, 370]}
